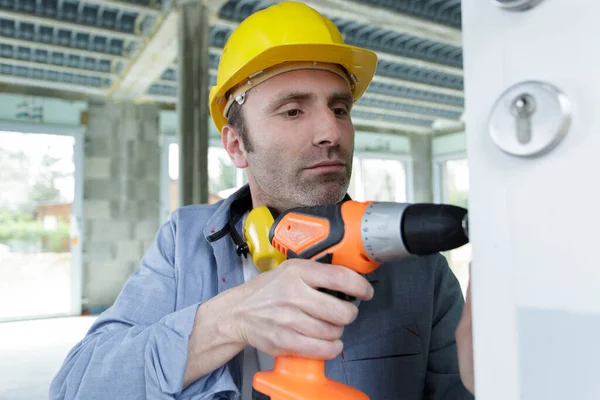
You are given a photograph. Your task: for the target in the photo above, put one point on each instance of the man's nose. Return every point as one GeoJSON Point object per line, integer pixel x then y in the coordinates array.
{"type": "Point", "coordinates": [328, 130]}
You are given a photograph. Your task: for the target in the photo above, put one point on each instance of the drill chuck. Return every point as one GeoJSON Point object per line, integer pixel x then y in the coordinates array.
{"type": "Point", "coordinates": [392, 231]}
{"type": "Point", "coordinates": [433, 228]}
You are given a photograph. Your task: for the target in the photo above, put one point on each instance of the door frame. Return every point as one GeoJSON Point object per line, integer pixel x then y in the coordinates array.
{"type": "Point", "coordinates": [77, 222]}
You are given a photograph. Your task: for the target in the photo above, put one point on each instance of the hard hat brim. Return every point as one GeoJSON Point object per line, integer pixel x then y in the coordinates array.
{"type": "Point", "coordinates": [359, 62]}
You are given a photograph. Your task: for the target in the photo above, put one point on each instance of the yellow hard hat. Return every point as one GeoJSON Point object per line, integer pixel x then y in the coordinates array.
{"type": "Point", "coordinates": [280, 38]}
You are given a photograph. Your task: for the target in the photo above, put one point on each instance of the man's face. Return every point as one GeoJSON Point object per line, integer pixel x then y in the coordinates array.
{"type": "Point", "coordinates": [302, 139]}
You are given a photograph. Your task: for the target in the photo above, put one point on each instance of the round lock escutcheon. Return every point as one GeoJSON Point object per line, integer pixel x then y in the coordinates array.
{"type": "Point", "coordinates": [535, 132]}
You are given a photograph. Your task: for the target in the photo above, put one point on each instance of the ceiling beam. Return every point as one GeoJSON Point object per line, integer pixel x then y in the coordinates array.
{"type": "Point", "coordinates": [58, 24]}
{"type": "Point", "coordinates": [125, 6]}
{"type": "Point", "coordinates": [39, 83]}
{"type": "Point", "coordinates": [167, 82]}
{"type": "Point", "coordinates": [158, 98]}
{"type": "Point", "coordinates": [395, 99]}
{"type": "Point", "coordinates": [58, 68]}
{"type": "Point", "coordinates": [153, 57]}
{"type": "Point", "coordinates": [415, 62]}
{"type": "Point", "coordinates": [398, 127]}
{"type": "Point", "coordinates": [399, 113]}
{"type": "Point", "coordinates": [61, 49]}
{"type": "Point", "coordinates": [418, 86]}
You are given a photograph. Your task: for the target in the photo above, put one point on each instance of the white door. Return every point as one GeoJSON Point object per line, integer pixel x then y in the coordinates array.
{"type": "Point", "coordinates": [534, 220]}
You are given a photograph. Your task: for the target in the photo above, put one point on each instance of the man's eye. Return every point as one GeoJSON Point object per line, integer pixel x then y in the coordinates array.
{"type": "Point", "coordinates": [292, 113]}
{"type": "Point", "coordinates": [340, 111]}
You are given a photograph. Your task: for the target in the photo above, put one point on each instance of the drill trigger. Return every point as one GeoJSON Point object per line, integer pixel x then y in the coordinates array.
{"type": "Point", "coordinates": [325, 258]}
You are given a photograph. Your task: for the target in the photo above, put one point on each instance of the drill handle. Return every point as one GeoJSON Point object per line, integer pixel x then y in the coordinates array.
{"type": "Point", "coordinates": [308, 233]}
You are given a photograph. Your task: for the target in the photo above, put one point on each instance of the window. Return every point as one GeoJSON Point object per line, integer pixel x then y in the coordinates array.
{"type": "Point", "coordinates": [453, 188]}
{"type": "Point", "coordinates": [223, 177]}
{"type": "Point", "coordinates": [455, 179]}
{"type": "Point", "coordinates": [378, 179]}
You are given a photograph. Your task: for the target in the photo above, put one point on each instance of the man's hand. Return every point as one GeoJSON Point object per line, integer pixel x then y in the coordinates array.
{"type": "Point", "coordinates": [281, 312]}
{"type": "Point", "coordinates": [464, 342]}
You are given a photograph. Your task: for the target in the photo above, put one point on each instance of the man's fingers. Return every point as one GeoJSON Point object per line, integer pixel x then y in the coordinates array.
{"type": "Point", "coordinates": [325, 307]}
{"type": "Point", "coordinates": [306, 325]}
{"type": "Point", "coordinates": [337, 278]}
{"type": "Point", "coordinates": [304, 346]}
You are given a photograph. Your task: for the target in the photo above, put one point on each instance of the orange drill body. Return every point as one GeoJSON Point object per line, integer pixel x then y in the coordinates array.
{"type": "Point", "coordinates": [334, 236]}
{"type": "Point", "coordinates": [356, 235]}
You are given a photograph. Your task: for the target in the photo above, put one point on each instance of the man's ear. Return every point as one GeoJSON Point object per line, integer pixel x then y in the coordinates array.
{"type": "Point", "coordinates": [232, 143]}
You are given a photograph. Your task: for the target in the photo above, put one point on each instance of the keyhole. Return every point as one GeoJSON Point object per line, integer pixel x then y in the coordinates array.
{"type": "Point", "coordinates": [523, 108]}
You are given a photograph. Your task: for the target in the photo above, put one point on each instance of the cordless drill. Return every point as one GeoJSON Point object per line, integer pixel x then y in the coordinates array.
{"type": "Point", "coordinates": [356, 235]}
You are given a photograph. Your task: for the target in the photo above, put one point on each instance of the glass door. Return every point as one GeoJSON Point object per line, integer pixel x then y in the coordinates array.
{"type": "Point", "coordinates": [40, 249]}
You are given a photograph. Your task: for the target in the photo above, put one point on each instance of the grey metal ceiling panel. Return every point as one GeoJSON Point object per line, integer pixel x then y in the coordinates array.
{"type": "Point", "coordinates": [218, 35]}
{"type": "Point", "coordinates": [163, 90]}
{"type": "Point", "coordinates": [392, 118]}
{"type": "Point", "coordinates": [107, 16]}
{"type": "Point", "coordinates": [380, 39]}
{"type": "Point", "coordinates": [391, 105]}
{"type": "Point", "coordinates": [53, 76]}
{"type": "Point", "coordinates": [64, 37]}
{"type": "Point", "coordinates": [446, 12]}
{"type": "Point", "coordinates": [416, 94]}
{"type": "Point", "coordinates": [213, 61]}
{"type": "Point", "coordinates": [421, 75]}
{"type": "Point", "coordinates": [169, 75]}
{"type": "Point", "coordinates": [54, 58]}
{"type": "Point", "coordinates": [115, 31]}
{"type": "Point", "coordinates": [238, 10]}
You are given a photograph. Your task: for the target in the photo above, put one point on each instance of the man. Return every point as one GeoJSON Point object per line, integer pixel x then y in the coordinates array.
{"type": "Point", "coordinates": [197, 319]}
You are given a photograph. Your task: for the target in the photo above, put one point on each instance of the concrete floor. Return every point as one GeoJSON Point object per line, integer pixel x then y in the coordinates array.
{"type": "Point", "coordinates": [31, 353]}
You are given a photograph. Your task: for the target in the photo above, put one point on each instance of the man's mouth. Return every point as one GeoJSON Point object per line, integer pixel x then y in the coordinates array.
{"type": "Point", "coordinates": [327, 166]}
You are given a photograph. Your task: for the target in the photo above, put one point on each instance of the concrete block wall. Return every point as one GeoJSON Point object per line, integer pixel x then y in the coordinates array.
{"type": "Point", "coordinates": [121, 196]}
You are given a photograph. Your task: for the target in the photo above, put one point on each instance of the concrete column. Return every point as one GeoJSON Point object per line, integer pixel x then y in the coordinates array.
{"type": "Point", "coordinates": [192, 106]}
{"type": "Point", "coordinates": [121, 196]}
{"type": "Point", "coordinates": [421, 150]}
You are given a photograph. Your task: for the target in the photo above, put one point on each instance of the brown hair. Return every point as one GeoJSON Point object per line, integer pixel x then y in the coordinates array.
{"type": "Point", "coordinates": [235, 117]}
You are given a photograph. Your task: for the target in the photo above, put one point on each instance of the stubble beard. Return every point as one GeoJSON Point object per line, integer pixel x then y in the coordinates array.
{"type": "Point", "coordinates": [296, 189]}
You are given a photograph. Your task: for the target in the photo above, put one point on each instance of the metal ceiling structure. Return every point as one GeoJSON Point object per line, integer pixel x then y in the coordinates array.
{"type": "Point", "coordinates": [128, 49]}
